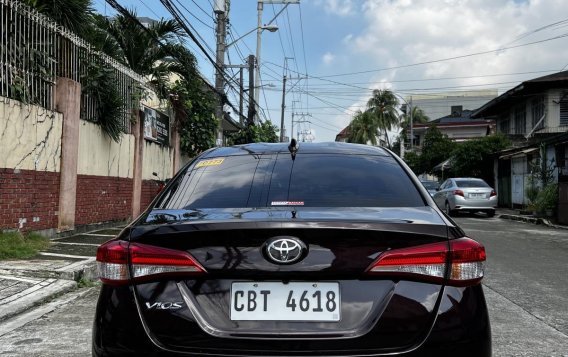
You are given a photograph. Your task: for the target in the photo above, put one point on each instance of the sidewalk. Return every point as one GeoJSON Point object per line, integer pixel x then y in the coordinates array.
{"type": "Point", "coordinates": [70, 260]}
{"type": "Point", "coordinates": [514, 215]}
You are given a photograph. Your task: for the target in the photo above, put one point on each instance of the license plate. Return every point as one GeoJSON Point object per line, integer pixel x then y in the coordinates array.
{"type": "Point", "coordinates": [276, 301]}
{"type": "Point", "coordinates": [477, 195]}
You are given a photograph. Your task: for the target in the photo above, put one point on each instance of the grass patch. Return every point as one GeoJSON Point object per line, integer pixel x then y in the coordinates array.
{"type": "Point", "coordinates": [15, 245]}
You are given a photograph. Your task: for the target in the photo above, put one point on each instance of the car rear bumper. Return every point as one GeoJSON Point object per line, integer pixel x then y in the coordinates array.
{"type": "Point", "coordinates": [465, 204]}
{"type": "Point", "coordinates": [461, 328]}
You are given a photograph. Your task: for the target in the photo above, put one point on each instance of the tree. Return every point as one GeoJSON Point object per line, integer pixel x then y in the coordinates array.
{"type": "Point", "coordinates": [75, 15]}
{"type": "Point", "coordinates": [418, 117]}
{"type": "Point", "coordinates": [382, 105]}
{"type": "Point", "coordinates": [437, 148]}
{"type": "Point", "coordinates": [473, 158]}
{"type": "Point", "coordinates": [194, 108]}
{"type": "Point", "coordinates": [266, 132]}
{"type": "Point", "coordinates": [142, 51]}
{"type": "Point", "coordinates": [363, 129]}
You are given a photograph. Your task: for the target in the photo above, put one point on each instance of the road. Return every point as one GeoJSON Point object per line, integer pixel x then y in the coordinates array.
{"type": "Point", "coordinates": [526, 287]}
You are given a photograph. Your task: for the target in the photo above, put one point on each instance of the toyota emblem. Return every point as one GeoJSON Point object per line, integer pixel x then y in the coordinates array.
{"type": "Point", "coordinates": [285, 250]}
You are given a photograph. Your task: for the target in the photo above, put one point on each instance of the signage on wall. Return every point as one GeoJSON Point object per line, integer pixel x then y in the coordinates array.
{"type": "Point", "coordinates": [156, 126]}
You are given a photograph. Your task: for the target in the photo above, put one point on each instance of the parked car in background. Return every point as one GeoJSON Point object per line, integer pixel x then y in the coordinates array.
{"type": "Point", "coordinates": [430, 186]}
{"type": "Point", "coordinates": [466, 194]}
{"type": "Point", "coordinates": [328, 249]}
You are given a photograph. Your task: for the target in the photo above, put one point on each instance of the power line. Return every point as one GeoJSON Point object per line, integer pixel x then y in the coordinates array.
{"type": "Point", "coordinates": [435, 61]}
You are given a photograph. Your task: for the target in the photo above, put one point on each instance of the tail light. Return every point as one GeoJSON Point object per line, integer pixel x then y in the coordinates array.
{"type": "Point", "coordinates": [147, 262]}
{"type": "Point", "coordinates": [493, 193]}
{"type": "Point", "coordinates": [464, 257]}
{"type": "Point", "coordinates": [458, 193]}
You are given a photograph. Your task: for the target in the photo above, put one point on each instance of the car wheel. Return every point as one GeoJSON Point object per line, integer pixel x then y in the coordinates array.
{"type": "Point", "coordinates": [450, 212]}
{"type": "Point", "coordinates": [491, 213]}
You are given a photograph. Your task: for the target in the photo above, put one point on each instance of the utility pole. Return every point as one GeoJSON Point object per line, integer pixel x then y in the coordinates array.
{"type": "Point", "coordinates": [241, 95]}
{"type": "Point", "coordinates": [221, 31]}
{"type": "Point", "coordinates": [260, 8]}
{"type": "Point", "coordinates": [283, 107]}
{"type": "Point", "coordinates": [411, 127]}
{"type": "Point", "coordinates": [252, 103]}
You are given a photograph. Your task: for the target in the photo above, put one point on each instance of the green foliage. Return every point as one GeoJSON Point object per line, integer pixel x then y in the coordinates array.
{"type": "Point", "coordinates": [547, 198]}
{"type": "Point", "coordinates": [436, 148]}
{"type": "Point", "coordinates": [195, 121]}
{"type": "Point", "coordinates": [99, 83]}
{"type": "Point", "coordinates": [363, 128]}
{"type": "Point", "coordinates": [382, 106]}
{"type": "Point", "coordinates": [412, 159]}
{"type": "Point", "coordinates": [532, 190]}
{"type": "Point", "coordinates": [15, 245]}
{"type": "Point", "coordinates": [266, 132]}
{"type": "Point", "coordinates": [75, 15]}
{"type": "Point", "coordinates": [473, 158]}
{"type": "Point", "coordinates": [418, 117]}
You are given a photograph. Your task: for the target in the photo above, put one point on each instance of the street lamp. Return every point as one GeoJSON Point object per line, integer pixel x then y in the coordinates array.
{"type": "Point", "coordinates": [270, 28]}
{"type": "Point", "coordinates": [260, 7]}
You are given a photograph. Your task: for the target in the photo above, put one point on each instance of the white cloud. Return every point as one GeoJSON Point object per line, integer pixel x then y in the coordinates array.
{"type": "Point", "coordinates": [339, 7]}
{"type": "Point", "coordinates": [414, 31]}
{"type": "Point", "coordinates": [328, 58]}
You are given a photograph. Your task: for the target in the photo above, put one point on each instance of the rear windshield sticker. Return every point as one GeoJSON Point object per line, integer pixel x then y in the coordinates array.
{"type": "Point", "coordinates": [287, 203]}
{"type": "Point", "coordinates": [212, 162]}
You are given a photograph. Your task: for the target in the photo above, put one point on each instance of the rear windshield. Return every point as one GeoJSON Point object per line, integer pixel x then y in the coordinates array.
{"type": "Point", "coordinates": [471, 183]}
{"type": "Point", "coordinates": [310, 180]}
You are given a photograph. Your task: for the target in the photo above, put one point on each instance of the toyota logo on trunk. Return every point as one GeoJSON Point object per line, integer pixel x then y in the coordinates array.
{"type": "Point", "coordinates": [285, 250]}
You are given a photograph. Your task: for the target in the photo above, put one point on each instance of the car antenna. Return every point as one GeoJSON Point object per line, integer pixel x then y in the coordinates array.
{"type": "Point", "coordinates": [293, 148]}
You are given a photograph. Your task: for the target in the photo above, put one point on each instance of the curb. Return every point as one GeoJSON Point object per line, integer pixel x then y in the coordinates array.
{"type": "Point", "coordinates": [37, 294]}
{"type": "Point", "coordinates": [42, 285]}
{"type": "Point", "coordinates": [533, 220]}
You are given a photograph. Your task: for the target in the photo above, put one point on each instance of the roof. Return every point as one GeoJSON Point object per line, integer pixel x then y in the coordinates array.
{"type": "Point", "coordinates": [533, 86]}
{"type": "Point", "coordinates": [303, 148]}
{"type": "Point", "coordinates": [342, 134]}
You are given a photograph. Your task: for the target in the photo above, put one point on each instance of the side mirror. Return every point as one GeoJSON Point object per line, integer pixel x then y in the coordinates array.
{"type": "Point", "coordinates": [438, 188]}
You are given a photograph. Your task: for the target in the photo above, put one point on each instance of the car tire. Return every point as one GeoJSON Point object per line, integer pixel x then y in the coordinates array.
{"type": "Point", "coordinates": [490, 213]}
{"type": "Point", "coordinates": [450, 212]}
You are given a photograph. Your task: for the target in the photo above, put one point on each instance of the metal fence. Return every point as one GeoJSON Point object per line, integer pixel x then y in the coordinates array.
{"type": "Point", "coordinates": [34, 51]}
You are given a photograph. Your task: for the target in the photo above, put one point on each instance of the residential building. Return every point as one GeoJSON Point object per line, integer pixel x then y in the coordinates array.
{"type": "Point", "coordinates": [437, 105]}
{"type": "Point", "coordinates": [458, 126]}
{"type": "Point", "coordinates": [534, 115]}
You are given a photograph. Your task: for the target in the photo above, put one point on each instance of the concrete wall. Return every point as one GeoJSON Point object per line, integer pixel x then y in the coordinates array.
{"type": "Point", "coordinates": [30, 164]}
{"type": "Point", "coordinates": [30, 137]}
{"type": "Point", "coordinates": [99, 155]}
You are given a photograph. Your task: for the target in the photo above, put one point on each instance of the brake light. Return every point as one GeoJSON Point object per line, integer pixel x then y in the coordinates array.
{"type": "Point", "coordinates": [493, 193]}
{"type": "Point", "coordinates": [147, 262]}
{"type": "Point", "coordinates": [458, 193]}
{"type": "Point", "coordinates": [429, 262]}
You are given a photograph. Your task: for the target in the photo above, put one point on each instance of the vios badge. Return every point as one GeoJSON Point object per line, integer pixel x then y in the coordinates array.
{"type": "Point", "coordinates": [285, 250]}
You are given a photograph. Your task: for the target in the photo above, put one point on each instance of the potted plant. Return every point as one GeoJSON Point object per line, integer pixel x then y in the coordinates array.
{"type": "Point", "coordinates": [547, 199]}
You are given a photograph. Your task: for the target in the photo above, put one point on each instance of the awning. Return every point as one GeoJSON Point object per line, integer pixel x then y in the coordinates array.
{"type": "Point", "coordinates": [444, 165]}
{"type": "Point", "coordinates": [520, 153]}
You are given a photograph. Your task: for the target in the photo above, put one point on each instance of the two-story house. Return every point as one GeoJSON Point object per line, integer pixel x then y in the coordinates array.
{"type": "Point", "coordinates": [458, 126]}
{"type": "Point", "coordinates": [534, 115]}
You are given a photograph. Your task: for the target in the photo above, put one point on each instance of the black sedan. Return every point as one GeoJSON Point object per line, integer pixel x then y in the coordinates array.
{"type": "Point", "coordinates": [326, 249]}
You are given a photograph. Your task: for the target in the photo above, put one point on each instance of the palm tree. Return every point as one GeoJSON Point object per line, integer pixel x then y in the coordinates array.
{"type": "Point", "coordinates": [363, 128]}
{"type": "Point", "coordinates": [382, 105]}
{"type": "Point", "coordinates": [141, 50]}
{"type": "Point", "coordinates": [75, 15]}
{"type": "Point", "coordinates": [418, 117]}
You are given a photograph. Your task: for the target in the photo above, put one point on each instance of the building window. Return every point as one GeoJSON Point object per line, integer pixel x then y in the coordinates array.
{"type": "Point", "coordinates": [504, 126]}
{"type": "Point", "coordinates": [564, 111]}
{"type": "Point", "coordinates": [537, 111]}
{"type": "Point", "coordinates": [520, 120]}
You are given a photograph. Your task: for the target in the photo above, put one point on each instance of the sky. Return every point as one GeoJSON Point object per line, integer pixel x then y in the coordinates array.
{"type": "Point", "coordinates": [335, 52]}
